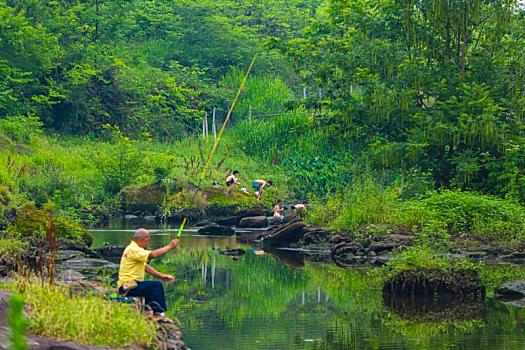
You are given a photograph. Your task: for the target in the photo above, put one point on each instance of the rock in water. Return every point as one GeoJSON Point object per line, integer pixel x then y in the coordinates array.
{"type": "Point", "coordinates": [511, 290]}
{"type": "Point", "coordinates": [459, 283]}
{"type": "Point", "coordinates": [230, 221]}
{"type": "Point", "coordinates": [216, 230]}
{"type": "Point", "coordinates": [111, 252]}
{"type": "Point", "coordinates": [285, 234]}
{"type": "Point", "coordinates": [254, 222]}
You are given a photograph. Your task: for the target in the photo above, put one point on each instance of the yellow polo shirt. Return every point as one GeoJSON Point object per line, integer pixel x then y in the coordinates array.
{"type": "Point", "coordinates": [132, 264]}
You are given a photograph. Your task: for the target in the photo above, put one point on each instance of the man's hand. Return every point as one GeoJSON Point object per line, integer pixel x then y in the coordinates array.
{"type": "Point", "coordinates": [174, 243]}
{"type": "Point", "coordinates": [168, 278]}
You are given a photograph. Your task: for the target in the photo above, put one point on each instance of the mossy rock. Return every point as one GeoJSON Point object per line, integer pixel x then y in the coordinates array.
{"type": "Point", "coordinates": [216, 201]}
{"type": "Point", "coordinates": [142, 198]}
{"type": "Point", "coordinates": [227, 196]}
{"type": "Point", "coordinates": [459, 283]}
{"type": "Point", "coordinates": [33, 222]}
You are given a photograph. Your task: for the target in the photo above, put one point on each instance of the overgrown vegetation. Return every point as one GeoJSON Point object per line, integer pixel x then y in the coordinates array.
{"type": "Point", "coordinates": [86, 319]}
{"type": "Point", "coordinates": [433, 216]}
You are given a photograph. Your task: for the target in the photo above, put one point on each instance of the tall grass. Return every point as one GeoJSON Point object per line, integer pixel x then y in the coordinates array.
{"type": "Point", "coordinates": [17, 323]}
{"type": "Point", "coordinates": [86, 319]}
{"type": "Point", "coordinates": [465, 215]}
{"type": "Point", "coordinates": [266, 94]}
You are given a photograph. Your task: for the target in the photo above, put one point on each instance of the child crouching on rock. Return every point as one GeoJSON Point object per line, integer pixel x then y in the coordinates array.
{"type": "Point", "coordinates": [277, 210]}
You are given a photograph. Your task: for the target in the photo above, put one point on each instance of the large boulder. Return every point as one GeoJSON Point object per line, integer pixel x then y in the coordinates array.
{"type": "Point", "coordinates": [459, 283]}
{"type": "Point", "coordinates": [111, 253]}
{"type": "Point", "coordinates": [142, 198]}
{"type": "Point", "coordinates": [250, 212]}
{"type": "Point", "coordinates": [284, 235]}
{"type": "Point", "coordinates": [229, 221]}
{"type": "Point", "coordinates": [511, 290]}
{"type": "Point", "coordinates": [216, 230]}
{"type": "Point", "coordinates": [254, 222]}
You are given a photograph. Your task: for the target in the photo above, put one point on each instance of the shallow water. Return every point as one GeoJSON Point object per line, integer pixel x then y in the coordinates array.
{"type": "Point", "coordinates": [262, 302]}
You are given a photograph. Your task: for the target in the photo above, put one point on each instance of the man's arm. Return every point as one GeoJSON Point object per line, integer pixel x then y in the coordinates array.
{"type": "Point", "coordinates": [161, 251]}
{"type": "Point", "coordinates": [151, 271]}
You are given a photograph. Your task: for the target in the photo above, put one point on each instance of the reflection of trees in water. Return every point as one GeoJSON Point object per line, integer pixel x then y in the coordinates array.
{"type": "Point", "coordinates": [232, 304]}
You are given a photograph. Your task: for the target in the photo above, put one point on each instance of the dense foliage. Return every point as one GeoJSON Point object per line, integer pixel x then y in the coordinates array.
{"type": "Point", "coordinates": [413, 96]}
{"type": "Point", "coordinates": [145, 66]}
{"type": "Point", "coordinates": [432, 85]}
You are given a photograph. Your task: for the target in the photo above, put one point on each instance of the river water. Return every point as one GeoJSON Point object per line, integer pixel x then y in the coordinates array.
{"type": "Point", "coordinates": [280, 301]}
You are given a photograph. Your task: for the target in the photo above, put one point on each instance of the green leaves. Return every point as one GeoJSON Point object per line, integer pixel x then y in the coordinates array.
{"type": "Point", "coordinates": [17, 323]}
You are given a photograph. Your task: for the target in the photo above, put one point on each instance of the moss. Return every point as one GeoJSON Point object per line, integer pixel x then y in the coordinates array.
{"type": "Point", "coordinates": [142, 198]}
{"type": "Point", "coordinates": [211, 197]}
{"type": "Point", "coordinates": [224, 196]}
{"type": "Point", "coordinates": [31, 221]}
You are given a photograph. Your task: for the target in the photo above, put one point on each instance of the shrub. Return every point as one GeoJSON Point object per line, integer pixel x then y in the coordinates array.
{"type": "Point", "coordinates": [31, 221]}
{"type": "Point", "coordinates": [17, 323]}
{"type": "Point", "coordinates": [10, 248]}
{"type": "Point", "coordinates": [486, 218]}
{"type": "Point", "coordinates": [21, 128]}
{"type": "Point", "coordinates": [364, 202]}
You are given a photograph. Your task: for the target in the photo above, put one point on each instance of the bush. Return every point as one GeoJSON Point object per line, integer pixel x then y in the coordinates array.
{"type": "Point", "coordinates": [21, 128]}
{"type": "Point", "coordinates": [469, 215]}
{"type": "Point", "coordinates": [31, 221]}
{"type": "Point", "coordinates": [364, 202]}
{"type": "Point", "coordinates": [486, 218]}
{"type": "Point", "coordinates": [10, 248]}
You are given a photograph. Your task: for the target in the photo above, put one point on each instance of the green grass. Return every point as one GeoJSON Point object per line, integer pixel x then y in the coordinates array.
{"type": "Point", "coordinates": [11, 247]}
{"type": "Point", "coordinates": [85, 319]}
{"type": "Point", "coordinates": [466, 216]}
{"type": "Point", "coordinates": [83, 176]}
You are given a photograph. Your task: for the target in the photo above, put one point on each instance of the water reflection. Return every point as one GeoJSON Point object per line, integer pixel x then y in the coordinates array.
{"type": "Point", "coordinates": [283, 301]}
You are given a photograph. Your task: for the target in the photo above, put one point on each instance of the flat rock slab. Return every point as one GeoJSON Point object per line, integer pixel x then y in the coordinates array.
{"type": "Point", "coordinates": [214, 230]}
{"type": "Point", "coordinates": [511, 290]}
{"type": "Point", "coordinates": [65, 254]}
{"type": "Point", "coordinates": [82, 264]}
{"type": "Point", "coordinates": [254, 222]}
{"type": "Point", "coordinates": [515, 257]}
{"type": "Point", "coordinates": [69, 276]}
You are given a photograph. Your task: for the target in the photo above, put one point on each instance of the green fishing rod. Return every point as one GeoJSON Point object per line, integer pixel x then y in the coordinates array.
{"type": "Point", "coordinates": [219, 137]}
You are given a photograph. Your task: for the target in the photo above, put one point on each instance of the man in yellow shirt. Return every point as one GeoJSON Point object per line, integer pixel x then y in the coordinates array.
{"type": "Point", "coordinates": [133, 265]}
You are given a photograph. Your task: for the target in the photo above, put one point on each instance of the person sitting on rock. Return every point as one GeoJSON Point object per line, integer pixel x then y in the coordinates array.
{"type": "Point", "coordinates": [258, 186]}
{"type": "Point", "coordinates": [133, 264]}
{"type": "Point", "coordinates": [233, 179]}
{"type": "Point", "coordinates": [277, 210]}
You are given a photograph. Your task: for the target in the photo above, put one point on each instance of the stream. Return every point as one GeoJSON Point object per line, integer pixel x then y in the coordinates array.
{"type": "Point", "coordinates": [278, 300]}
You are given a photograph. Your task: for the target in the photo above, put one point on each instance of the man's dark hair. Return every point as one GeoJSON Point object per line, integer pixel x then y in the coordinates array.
{"type": "Point", "coordinates": [236, 172]}
{"type": "Point", "coordinates": [269, 183]}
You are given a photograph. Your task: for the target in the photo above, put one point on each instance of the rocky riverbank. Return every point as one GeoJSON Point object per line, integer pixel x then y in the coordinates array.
{"type": "Point", "coordinates": [83, 270]}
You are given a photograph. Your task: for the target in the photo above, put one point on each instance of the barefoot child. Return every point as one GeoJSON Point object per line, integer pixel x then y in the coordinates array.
{"type": "Point", "coordinates": [258, 186]}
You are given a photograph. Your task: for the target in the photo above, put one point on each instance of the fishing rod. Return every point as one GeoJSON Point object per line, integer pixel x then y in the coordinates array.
{"type": "Point", "coordinates": [219, 137]}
